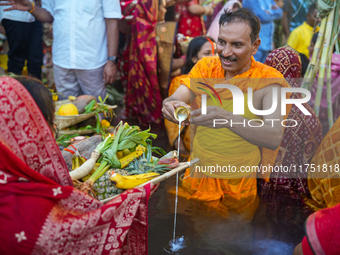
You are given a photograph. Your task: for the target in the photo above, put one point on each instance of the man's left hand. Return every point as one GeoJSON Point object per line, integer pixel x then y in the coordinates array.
{"type": "Point", "coordinates": [110, 72]}
{"type": "Point", "coordinates": [207, 120]}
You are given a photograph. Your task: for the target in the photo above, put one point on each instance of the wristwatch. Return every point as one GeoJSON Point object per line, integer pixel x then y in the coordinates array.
{"type": "Point", "coordinates": [114, 59]}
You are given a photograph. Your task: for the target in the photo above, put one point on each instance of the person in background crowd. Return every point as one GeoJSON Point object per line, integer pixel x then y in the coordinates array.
{"type": "Point", "coordinates": [231, 5]}
{"type": "Point", "coordinates": [301, 36]}
{"type": "Point", "coordinates": [190, 22]}
{"type": "Point", "coordinates": [208, 19]}
{"type": "Point", "coordinates": [294, 14]}
{"type": "Point", "coordinates": [278, 32]}
{"type": "Point", "coordinates": [85, 42]}
{"type": "Point", "coordinates": [267, 12]}
{"type": "Point", "coordinates": [284, 192]}
{"type": "Point", "coordinates": [304, 63]}
{"type": "Point", "coordinates": [198, 48]}
{"type": "Point", "coordinates": [143, 98]}
{"type": "Point", "coordinates": [322, 233]}
{"type": "Point", "coordinates": [48, 74]}
{"type": "Point", "coordinates": [324, 185]}
{"type": "Point", "coordinates": [24, 35]}
{"type": "Point", "coordinates": [166, 61]}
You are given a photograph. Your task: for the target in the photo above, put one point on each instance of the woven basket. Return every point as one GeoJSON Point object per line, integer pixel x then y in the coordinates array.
{"type": "Point", "coordinates": [184, 47]}
{"type": "Point", "coordinates": [158, 179]}
{"type": "Point", "coordinates": [67, 121]}
{"type": "Point", "coordinates": [57, 104]}
{"type": "Point", "coordinates": [73, 132]}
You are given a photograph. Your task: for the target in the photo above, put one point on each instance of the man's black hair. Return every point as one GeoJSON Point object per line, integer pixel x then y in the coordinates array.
{"type": "Point", "coordinates": [315, 37]}
{"type": "Point", "coordinates": [243, 15]}
{"type": "Point", "coordinates": [311, 9]}
{"type": "Point", "coordinates": [194, 47]}
{"type": "Point", "coordinates": [304, 64]}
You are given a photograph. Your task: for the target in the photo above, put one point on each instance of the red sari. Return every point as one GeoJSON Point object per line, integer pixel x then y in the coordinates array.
{"type": "Point", "coordinates": [143, 98]}
{"type": "Point", "coordinates": [189, 24]}
{"type": "Point", "coordinates": [322, 232]}
{"type": "Point", "coordinates": [40, 211]}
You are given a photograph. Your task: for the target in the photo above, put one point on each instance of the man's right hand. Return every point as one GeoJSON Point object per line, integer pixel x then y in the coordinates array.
{"type": "Point", "coordinates": [21, 5]}
{"type": "Point", "coordinates": [168, 110]}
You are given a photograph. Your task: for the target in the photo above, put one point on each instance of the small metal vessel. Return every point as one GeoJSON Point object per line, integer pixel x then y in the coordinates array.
{"type": "Point", "coordinates": [182, 110]}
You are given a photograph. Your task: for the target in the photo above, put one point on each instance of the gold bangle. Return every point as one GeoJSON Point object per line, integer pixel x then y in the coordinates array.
{"type": "Point", "coordinates": [205, 10]}
{"type": "Point", "coordinates": [208, 10]}
{"type": "Point", "coordinates": [211, 10]}
{"type": "Point", "coordinates": [33, 8]}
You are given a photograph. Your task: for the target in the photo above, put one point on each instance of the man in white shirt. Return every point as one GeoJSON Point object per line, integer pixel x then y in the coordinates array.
{"type": "Point", "coordinates": [85, 41]}
{"type": "Point", "coordinates": [24, 35]}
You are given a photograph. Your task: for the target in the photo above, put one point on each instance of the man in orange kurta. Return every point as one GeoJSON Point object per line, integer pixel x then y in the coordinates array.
{"type": "Point", "coordinates": [237, 145]}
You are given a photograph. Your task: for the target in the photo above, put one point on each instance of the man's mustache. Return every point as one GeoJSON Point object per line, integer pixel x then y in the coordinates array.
{"type": "Point", "coordinates": [228, 58]}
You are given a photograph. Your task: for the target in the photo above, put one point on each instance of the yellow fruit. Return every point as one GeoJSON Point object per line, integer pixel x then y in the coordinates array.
{"type": "Point", "coordinates": [125, 161]}
{"type": "Point", "coordinates": [55, 97]}
{"type": "Point", "coordinates": [120, 154]}
{"type": "Point", "coordinates": [68, 109]}
{"type": "Point", "coordinates": [72, 98]}
{"type": "Point", "coordinates": [126, 152]}
{"type": "Point", "coordinates": [105, 123]}
{"type": "Point", "coordinates": [131, 181]}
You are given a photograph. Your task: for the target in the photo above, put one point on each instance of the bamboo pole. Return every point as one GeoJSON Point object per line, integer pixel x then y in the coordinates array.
{"type": "Point", "coordinates": [336, 27]}
{"type": "Point", "coordinates": [180, 167]}
{"type": "Point", "coordinates": [329, 94]}
{"type": "Point", "coordinates": [310, 73]}
{"type": "Point", "coordinates": [333, 39]}
{"type": "Point", "coordinates": [174, 171]}
{"type": "Point", "coordinates": [323, 62]}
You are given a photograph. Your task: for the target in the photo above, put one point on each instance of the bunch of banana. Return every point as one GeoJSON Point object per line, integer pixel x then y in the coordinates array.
{"type": "Point", "coordinates": [77, 160]}
{"type": "Point", "coordinates": [131, 181]}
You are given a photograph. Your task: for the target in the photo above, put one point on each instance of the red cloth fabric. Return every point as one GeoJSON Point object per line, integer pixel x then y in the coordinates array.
{"type": "Point", "coordinates": [287, 61]}
{"type": "Point", "coordinates": [189, 24]}
{"type": "Point", "coordinates": [306, 247]}
{"type": "Point", "coordinates": [322, 231]}
{"type": "Point", "coordinates": [40, 211]}
{"type": "Point", "coordinates": [143, 98]}
{"type": "Point", "coordinates": [298, 145]}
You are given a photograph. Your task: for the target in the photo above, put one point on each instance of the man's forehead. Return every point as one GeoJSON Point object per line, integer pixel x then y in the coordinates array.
{"type": "Point", "coordinates": [237, 28]}
{"type": "Point", "coordinates": [236, 24]}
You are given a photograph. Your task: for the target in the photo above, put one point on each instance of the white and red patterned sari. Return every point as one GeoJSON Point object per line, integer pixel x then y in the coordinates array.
{"type": "Point", "coordinates": [40, 211]}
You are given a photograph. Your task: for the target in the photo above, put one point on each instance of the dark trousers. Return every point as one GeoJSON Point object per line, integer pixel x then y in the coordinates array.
{"type": "Point", "coordinates": [25, 43]}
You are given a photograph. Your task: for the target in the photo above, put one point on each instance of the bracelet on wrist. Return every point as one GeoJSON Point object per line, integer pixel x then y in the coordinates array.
{"type": "Point", "coordinates": [205, 10]}
{"type": "Point", "coordinates": [208, 10]}
{"type": "Point", "coordinates": [33, 7]}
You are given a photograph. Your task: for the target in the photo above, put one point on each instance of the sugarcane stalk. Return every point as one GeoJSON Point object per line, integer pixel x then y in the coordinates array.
{"type": "Point", "coordinates": [334, 37]}
{"type": "Point", "coordinates": [323, 62]}
{"type": "Point", "coordinates": [329, 95]}
{"type": "Point", "coordinates": [310, 73]}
